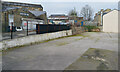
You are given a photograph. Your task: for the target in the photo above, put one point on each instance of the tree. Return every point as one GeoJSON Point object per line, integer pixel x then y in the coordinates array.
{"type": "Point", "coordinates": [73, 12]}
{"type": "Point", "coordinates": [87, 13]}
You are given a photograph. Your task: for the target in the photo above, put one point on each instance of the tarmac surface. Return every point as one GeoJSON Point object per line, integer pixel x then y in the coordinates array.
{"type": "Point", "coordinates": [57, 54]}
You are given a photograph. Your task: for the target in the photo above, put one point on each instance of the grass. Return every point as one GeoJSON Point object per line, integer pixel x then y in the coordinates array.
{"type": "Point", "coordinates": [79, 39]}
{"type": "Point", "coordinates": [79, 35]}
{"type": "Point", "coordinates": [61, 44]}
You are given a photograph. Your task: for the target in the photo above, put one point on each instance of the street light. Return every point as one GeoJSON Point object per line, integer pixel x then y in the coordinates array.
{"type": "Point", "coordinates": [11, 28]}
{"type": "Point", "coordinates": [27, 27]}
{"type": "Point", "coordinates": [25, 9]}
{"type": "Point", "coordinates": [101, 18]}
{"type": "Point", "coordinates": [5, 21]}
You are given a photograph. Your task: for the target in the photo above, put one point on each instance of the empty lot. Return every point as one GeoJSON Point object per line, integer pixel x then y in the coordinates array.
{"type": "Point", "coordinates": [57, 54]}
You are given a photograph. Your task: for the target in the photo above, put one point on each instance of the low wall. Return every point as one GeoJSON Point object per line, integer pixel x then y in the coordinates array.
{"type": "Point", "coordinates": [77, 30]}
{"type": "Point", "coordinates": [33, 38]}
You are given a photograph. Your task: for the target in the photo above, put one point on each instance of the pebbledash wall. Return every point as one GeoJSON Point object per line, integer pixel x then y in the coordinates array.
{"type": "Point", "coordinates": [33, 38]}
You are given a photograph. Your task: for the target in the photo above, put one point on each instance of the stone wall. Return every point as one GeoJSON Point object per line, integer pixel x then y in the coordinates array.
{"type": "Point", "coordinates": [33, 38]}
{"type": "Point", "coordinates": [77, 30]}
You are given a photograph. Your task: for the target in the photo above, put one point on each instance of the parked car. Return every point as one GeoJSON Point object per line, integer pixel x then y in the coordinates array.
{"type": "Point", "coordinates": [19, 29]}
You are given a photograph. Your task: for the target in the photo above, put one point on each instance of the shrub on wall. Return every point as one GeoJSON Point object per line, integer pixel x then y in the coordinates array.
{"type": "Point", "coordinates": [92, 28]}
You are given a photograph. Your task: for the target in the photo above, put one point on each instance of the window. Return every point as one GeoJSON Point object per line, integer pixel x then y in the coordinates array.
{"type": "Point", "coordinates": [11, 19]}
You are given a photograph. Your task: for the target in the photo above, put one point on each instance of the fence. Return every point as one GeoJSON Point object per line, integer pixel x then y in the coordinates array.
{"type": "Point", "coordinates": [48, 28]}
{"type": "Point", "coordinates": [40, 29]}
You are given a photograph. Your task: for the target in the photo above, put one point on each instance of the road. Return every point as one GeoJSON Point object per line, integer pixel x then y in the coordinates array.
{"type": "Point", "coordinates": [57, 54]}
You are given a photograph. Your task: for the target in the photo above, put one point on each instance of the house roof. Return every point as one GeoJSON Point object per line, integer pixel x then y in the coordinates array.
{"type": "Point", "coordinates": [58, 16]}
{"type": "Point", "coordinates": [112, 11]}
{"type": "Point", "coordinates": [37, 13]}
{"type": "Point", "coordinates": [77, 18]}
{"type": "Point", "coordinates": [21, 4]}
{"type": "Point", "coordinates": [9, 8]}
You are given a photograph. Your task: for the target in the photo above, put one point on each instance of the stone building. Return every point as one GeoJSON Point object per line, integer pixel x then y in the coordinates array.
{"type": "Point", "coordinates": [98, 18]}
{"type": "Point", "coordinates": [15, 12]}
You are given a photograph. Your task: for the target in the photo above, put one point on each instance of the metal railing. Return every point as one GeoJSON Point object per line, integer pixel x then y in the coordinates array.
{"type": "Point", "coordinates": [40, 29]}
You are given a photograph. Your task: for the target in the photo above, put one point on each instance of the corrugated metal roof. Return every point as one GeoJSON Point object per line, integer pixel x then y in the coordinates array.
{"type": "Point", "coordinates": [9, 8]}
{"type": "Point", "coordinates": [37, 13]}
{"type": "Point", "coordinates": [54, 15]}
{"type": "Point", "coordinates": [58, 18]}
{"type": "Point", "coordinates": [21, 4]}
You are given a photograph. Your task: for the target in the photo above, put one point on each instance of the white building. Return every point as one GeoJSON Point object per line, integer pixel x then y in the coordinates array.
{"type": "Point", "coordinates": [110, 21]}
{"type": "Point", "coordinates": [31, 23]}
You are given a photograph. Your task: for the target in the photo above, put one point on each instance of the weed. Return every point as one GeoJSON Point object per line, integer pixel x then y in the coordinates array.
{"type": "Point", "coordinates": [63, 43]}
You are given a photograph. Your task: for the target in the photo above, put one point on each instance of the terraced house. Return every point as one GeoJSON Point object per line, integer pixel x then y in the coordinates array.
{"type": "Point", "coordinates": [18, 13]}
{"type": "Point", "coordinates": [98, 18]}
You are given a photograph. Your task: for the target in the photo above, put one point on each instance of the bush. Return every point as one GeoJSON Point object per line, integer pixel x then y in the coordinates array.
{"type": "Point", "coordinates": [90, 28]}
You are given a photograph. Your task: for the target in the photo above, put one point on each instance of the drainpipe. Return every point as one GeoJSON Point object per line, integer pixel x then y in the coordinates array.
{"type": "Point", "coordinates": [5, 21]}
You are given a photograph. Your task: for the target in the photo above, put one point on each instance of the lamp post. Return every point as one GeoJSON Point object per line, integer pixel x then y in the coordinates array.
{"type": "Point", "coordinates": [11, 29]}
{"type": "Point", "coordinates": [27, 28]}
{"type": "Point", "coordinates": [26, 20]}
{"type": "Point", "coordinates": [101, 18]}
{"type": "Point", "coordinates": [5, 22]}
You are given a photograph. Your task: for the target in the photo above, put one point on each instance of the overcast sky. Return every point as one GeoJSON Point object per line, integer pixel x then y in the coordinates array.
{"type": "Point", "coordinates": [64, 6]}
{"type": "Point", "coordinates": [63, 0]}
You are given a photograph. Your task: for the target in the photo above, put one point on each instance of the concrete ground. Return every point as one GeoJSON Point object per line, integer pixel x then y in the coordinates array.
{"type": "Point", "coordinates": [96, 59]}
{"type": "Point", "coordinates": [57, 54]}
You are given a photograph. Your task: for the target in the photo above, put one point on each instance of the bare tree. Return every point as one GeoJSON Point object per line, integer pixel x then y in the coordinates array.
{"type": "Point", "coordinates": [73, 12]}
{"type": "Point", "coordinates": [87, 13]}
